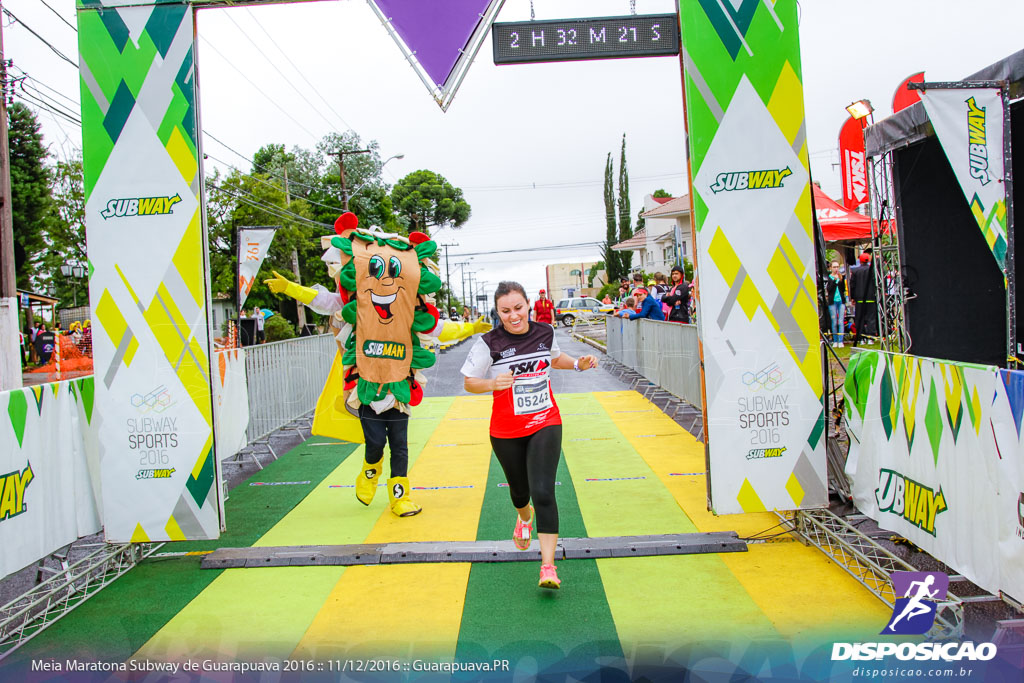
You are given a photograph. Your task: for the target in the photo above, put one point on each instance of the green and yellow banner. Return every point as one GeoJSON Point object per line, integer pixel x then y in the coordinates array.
{"type": "Point", "coordinates": [758, 317]}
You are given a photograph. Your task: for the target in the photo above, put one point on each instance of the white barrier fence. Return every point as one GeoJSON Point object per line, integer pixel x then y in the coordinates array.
{"type": "Point", "coordinates": [665, 353]}
{"type": "Point", "coordinates": [49, 455]}
{"type": "Point", "coordinates": [284, 380]}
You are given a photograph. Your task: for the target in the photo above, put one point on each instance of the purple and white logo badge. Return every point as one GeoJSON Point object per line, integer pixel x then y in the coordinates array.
{"type": "Point", "coordinates": [914, 612]}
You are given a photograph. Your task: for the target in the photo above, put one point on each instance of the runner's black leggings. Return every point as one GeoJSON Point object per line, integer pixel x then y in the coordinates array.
{"type": "Point", "coordinates": [530, 463]}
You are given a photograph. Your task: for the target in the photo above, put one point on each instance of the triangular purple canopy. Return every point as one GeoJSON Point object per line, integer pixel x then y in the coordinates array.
{"type": "Point", "coordinates": [436, 32]}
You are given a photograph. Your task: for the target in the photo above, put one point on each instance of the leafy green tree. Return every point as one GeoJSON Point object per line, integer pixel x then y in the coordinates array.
{"type": "Point", "coordinates": [425, 199]}
{"type": "Point", "coordinates": [625, 227]}
{"type": "Point", "coordinates": [661, 194]}
{"type": "Point", "coordinates": [31, 201]}
{"type": "Point", "coordinates": [66, 232]}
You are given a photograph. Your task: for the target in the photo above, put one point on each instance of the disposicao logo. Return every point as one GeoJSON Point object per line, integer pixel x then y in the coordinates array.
{"type": "Point", "coordinates": [140, 206]}
{"type": "Point", "coordinates": [12, 491]}
{"type": "Point", "coordinates": [914, 614]}
{"type": "Point", "coordinates": [750, 180]}
{"type": "Point", "coordinates": [977, 141]}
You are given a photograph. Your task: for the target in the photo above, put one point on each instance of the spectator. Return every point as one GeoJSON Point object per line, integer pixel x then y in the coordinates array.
{"type": "Point", "coordinates": [676, 300]}
{"type": "Point", "coordinates": [76, 334]}
{"type": "Point", "coordinates": [638, 282]}
{"type": "Point", "coordinates": [863, 292]}
{"type": "Point", "coordinates": [660, 288]}
{"type": "Point", "coordinates": [544, 309]}
{"type": "Point", "coordinates": [261, 336]}
{"type": "Point", "coordinates": [836, 298]}
{"type": "Point", "coordinates": [649, 308]}
{"type": "Point", "coordinates": [495, 321]}
{"type": "Point", "coordinates": [628, 305]}
{"type": "Point", "coordinates": [606, 300]}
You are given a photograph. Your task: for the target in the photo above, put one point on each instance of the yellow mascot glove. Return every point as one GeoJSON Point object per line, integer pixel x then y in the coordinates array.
{"type": "Point", "coordinates": [282, 285]}
{"type": "Point", "coordinates": [479, 326]}
{"type": "Point", "coordinates": [449, 332]}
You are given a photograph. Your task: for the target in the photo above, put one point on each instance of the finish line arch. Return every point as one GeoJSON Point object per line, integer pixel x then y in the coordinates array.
{"type": "Point", "coordinates": [750, 189]}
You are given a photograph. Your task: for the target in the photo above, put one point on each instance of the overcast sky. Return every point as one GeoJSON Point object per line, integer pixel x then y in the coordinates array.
{"type": "Point", "coordinates": [526, 143]}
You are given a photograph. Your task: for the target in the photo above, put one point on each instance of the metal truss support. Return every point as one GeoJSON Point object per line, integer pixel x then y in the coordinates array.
{"type": "Point", "coordinates": [891, 294]}
{"type": "Point", "coordinates": [871, 564]}
{"type": "Point", "coordinates": [32, 612]}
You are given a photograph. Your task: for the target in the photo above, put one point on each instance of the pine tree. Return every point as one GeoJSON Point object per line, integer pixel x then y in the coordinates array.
{"type": "Point", "coordinates": [611, 258]}
{"type": "Point", "coordinates": [625, 218]}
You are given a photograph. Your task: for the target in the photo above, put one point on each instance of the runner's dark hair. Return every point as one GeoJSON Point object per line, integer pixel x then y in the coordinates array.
{"type": "Point", "coordinates": [507, 287]}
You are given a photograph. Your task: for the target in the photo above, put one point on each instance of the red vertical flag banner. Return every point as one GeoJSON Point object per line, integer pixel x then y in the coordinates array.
{"type": "Point", "coordinates": [854, 170]}
{"type": "Point", "coordinates": [903, 98]}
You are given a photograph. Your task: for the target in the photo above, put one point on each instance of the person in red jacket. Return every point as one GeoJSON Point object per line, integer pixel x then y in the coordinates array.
{"type": "Point", "coordinates": [544, 309]}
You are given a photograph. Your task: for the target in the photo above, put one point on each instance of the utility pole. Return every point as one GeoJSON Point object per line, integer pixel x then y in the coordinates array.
{"type": "Point", "coordinates": [10, 363]}
{"type": "Point", "coordinates": [341, 169]}
{"type": "Point", "coordinates": [448, 275]}
{"type": "Point", "coordinates": [300, 308]}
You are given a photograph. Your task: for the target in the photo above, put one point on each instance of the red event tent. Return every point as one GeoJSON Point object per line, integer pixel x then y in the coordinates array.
{"type": "Point", "coordinates": [837, 222]}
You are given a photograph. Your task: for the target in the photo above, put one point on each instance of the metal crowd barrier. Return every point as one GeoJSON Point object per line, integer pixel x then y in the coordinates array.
{"type": "Point", "coordinates": [665, 353]}
{"type": "Point", "coordinates": [284, 381]}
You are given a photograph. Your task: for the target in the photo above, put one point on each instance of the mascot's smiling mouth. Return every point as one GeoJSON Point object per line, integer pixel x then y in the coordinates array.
{"type": "Point", "coordinates": [382, 304]}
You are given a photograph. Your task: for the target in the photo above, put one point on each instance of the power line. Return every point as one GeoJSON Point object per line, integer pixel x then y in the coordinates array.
{"type": "Point", "coordinates": [287, 80]}
{"type": "Point", "coordinates": [570, 184]}
{"type": "Point", "coordinates": [59, 16]}
{"type": "Point", "coordinates": [258, 89]}
{"type": "Point", "coordinates": [259, 180]}
{"type": "Point", "coordinates": [278, 212]}
{"type": "Point", "coordinates": [554, 247]}
{"type": "Point", "coordinates": [297, 69]}
{"type": "Point", "coordinates": [44, 40]}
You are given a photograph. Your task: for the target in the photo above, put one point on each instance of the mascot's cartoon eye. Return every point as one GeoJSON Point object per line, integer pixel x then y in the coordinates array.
{"type": "Point", "coordinates": [394, 266]}
{"type": "Point", "coordinates": [376, 267]}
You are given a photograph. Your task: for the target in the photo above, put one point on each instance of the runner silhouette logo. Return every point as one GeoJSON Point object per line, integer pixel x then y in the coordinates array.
{"type": "Point", "coordinates": [914, 612]}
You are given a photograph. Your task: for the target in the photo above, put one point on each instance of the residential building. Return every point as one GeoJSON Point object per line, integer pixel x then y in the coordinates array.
{"type": "Point", "coordinates": [572, 279]}
{"type": "Point", "coordinates": [666, 237]}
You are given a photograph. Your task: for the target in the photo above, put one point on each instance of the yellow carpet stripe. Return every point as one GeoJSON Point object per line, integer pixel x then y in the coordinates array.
{"type": "Point", "coordinates": [225, 622]}
{"type": "Point", "coordinates": [414, 611]}
{"type": "Point", "coordinates": [694, 589]}
{"type": "Point", "coordinates": [796, 586]}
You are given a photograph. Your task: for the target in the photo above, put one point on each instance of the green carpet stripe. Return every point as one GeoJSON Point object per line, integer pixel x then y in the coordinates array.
{"type": "Point", "coordinates": [113, 624]}
{"type": "Point", "coordinates": [288, 598]}
{"type": "Point", "coordinates": [333, 516]}
{"type": "Point", "coordinates": [507, 617]}
{"type": "Point", "coordinates": [693, 589]}
{"type": "Point", "coordinates": [595, 449]}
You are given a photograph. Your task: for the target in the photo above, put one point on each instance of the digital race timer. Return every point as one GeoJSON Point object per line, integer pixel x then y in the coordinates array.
{"type": "Point", "coordinates": [648, 35]}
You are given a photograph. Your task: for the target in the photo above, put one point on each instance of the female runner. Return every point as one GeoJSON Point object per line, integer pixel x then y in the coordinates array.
{"type": "Point", "coordinates": [513, 362]}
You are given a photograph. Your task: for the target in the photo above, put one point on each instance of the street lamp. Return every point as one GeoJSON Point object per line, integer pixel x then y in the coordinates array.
{"type": "Point", "coordinates": [860, 109]}
{"type": "Point", "coordinates": [77, 271]}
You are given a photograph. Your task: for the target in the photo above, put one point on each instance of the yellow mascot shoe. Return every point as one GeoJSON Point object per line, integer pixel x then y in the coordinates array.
{"type": "Point", "coordinates": [398, 492]}
{"type": "Point", "coordinates": [366, 482]}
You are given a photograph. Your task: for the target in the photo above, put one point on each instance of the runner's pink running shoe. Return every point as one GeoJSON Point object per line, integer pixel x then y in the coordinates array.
{"type": "Point", "coordinates": [548, 577]}
{"type": "Point", "coordinates": [521, 534]}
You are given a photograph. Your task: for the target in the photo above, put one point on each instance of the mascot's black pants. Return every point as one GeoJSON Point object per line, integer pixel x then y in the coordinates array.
{"type": "Point", "coordinates": [390, 427]}
{"type": "Point", "coordinates": [530, 463]}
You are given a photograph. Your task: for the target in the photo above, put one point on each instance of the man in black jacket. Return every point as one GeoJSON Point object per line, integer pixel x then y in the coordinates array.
{"type": "Point", "coordinates": [863, 292]}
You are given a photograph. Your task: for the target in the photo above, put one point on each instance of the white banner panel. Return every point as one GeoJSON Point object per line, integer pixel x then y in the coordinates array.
{"type": "Point", "coordinates": [149, 290]}
{"type": "Point", "coordinates": [1007, 419]}
{"type": "Point", "coordinates": [253, 244]}
{"type": "Point", "coordinates": [969, 125]}
{"type": "Point", "coordinates": [48, 466]}
{"type": "Point", "coordinates": [231, 401]}
{"type": "Point", "coordinates": [758, 320]}
{"type": "Point", "coordinates": [923, 461]}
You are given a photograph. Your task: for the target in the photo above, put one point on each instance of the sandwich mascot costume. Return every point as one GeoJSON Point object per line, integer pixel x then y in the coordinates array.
{"type": "Point", "coordinates": [382, 313]}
